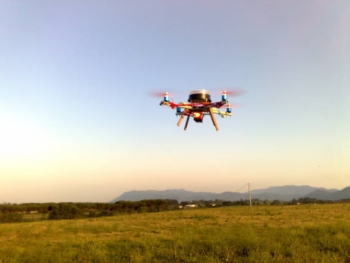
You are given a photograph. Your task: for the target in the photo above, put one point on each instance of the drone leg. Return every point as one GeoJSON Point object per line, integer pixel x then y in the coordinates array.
{"type": "Point", "coordinates": [188, 118]}
{"type": "Point", "coordinates": [181, 118]}
{"type": "Point", "coordinates": [213, 119]}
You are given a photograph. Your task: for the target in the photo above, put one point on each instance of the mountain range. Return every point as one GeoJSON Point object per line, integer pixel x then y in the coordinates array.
{"type": "Point", "coordinates": [282, 193]}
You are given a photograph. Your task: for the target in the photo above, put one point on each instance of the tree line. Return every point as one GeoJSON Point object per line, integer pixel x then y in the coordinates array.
{"type": "Point", "coordinates": [55, 211]}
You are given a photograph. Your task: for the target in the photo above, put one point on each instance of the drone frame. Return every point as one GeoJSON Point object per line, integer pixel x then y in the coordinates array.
{"type": "Point", "coordinates": [204, 108]}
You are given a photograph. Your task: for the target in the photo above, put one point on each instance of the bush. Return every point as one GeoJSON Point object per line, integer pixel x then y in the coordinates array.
{"type": "Point", "coordinates": [10, 217]}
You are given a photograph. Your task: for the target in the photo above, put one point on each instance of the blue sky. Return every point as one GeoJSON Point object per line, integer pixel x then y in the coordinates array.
{"type": "Point", "coordinates": [76, 123]}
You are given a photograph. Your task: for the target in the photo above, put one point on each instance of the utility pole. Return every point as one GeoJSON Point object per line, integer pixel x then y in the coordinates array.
{"type": "Point", "coordinates": [250, 195]}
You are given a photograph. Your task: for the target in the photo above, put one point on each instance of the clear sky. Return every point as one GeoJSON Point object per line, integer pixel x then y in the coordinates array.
{"type": "Point", "coordinates": [76, 123]}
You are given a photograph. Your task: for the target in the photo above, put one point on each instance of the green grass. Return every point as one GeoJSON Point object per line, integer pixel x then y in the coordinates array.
{"type": "Point", "coordinates": [306, 233]}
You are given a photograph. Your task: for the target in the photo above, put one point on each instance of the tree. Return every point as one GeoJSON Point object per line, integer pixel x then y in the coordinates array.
{"type": "Point", "coordinates": [65, 211]}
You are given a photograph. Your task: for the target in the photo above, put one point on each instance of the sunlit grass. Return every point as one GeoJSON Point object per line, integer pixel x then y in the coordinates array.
{"type": "Point", "coordinates": [306, 233]}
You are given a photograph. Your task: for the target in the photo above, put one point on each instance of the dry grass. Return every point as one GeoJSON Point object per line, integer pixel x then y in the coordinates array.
{"type": "Point", "coordinates": [306, 233]}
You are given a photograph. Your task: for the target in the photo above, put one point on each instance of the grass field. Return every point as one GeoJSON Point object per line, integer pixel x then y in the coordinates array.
{"type": "Point", "coordinates": [305, 233]}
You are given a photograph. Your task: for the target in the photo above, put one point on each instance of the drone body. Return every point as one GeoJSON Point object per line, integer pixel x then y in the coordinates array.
{"type": "Point", "coordinates": [199, 104]}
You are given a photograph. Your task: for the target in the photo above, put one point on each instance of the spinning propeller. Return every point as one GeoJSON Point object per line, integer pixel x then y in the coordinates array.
{"type": "Point", "coordinates": [160, 94]}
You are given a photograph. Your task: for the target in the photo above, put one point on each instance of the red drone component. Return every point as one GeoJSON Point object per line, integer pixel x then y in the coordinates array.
{"type": "Point", "coordinates": [198, 116]}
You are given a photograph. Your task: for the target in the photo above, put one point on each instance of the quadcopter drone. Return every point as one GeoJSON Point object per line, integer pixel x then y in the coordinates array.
{"type": "Point", "coordinates": [199, 104]}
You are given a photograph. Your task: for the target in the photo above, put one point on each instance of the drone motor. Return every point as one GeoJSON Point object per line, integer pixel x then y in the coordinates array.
{"type": "Point", "coordinates": [199, 96]}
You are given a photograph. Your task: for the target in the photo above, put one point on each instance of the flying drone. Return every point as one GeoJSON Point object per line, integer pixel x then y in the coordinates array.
{"type": "Point", "coordinates": [199, 104]}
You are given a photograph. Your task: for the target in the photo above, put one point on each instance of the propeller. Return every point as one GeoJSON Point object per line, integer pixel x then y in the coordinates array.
{"type": "Point", "coordinates": [231, 92]}
{"type": "Point", "coordinates": [159, 94]}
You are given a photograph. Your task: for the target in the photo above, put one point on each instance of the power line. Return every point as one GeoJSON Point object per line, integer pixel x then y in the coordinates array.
{"type": "Point", "coordinates": [237, 191]}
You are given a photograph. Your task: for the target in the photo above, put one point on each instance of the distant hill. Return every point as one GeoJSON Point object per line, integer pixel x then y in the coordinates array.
{"type": "Point", "coordinates": [292, 190]}
{"type": "Point", "coordinates": [324, 195]}
{"type": "Point", "coordinates": [283, 193]}
{"type": "Point", "coordinates": [177, 194]}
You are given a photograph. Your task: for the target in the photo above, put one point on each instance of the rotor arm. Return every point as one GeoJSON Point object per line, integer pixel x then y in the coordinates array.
{"type": "Point", "coordinates": [223, 114]}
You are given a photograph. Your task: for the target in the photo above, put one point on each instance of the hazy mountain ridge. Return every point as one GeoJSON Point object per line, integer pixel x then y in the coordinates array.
{"type": "Point", "coordinates": [338, 195]}
{"type": "Point", "coordinates": [283, 193]}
